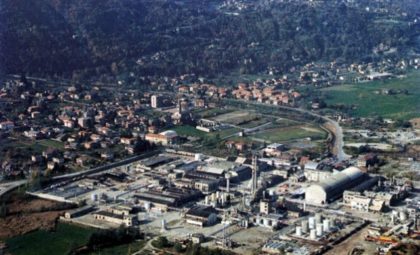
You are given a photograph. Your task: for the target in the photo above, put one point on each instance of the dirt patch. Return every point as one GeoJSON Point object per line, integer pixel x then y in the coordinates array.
{"type": "Point", "coordinates": [25, 214]}
{"type": "Point", "coordinates": [355, 241]}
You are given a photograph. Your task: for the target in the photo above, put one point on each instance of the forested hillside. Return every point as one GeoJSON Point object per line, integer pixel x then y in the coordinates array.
{"type": "Point", "coordinates": [79, 38]}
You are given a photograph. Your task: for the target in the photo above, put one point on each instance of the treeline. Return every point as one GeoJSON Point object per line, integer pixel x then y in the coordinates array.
{"type": "Point", "coordinates": [82, 39]}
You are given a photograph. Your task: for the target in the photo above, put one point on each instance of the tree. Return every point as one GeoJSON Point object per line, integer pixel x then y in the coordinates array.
{"type": "Point", "coordinates": [161, 242]}
{"type": "Point", "coordinates": [178, 247]}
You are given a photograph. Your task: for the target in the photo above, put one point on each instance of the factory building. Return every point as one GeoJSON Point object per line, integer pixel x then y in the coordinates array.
{"type": "Point", "coordinates": [168, 197]}
{"type": "Point", "coordinates": [117, 215]}
{"type": "Point", "coordinates": [114, 218]}
{"type": "Point", "coordinates": [201, 216]}
{"type": "Point", "coordinates": [270, 221]}
{"type": "Point", "coordinates": [333, 188]}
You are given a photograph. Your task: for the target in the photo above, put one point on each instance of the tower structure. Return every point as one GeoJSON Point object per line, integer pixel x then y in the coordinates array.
{"type": "Point", "coordinates": [254, 174]}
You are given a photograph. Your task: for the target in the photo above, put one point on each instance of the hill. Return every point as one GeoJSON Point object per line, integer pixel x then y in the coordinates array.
{"type": "Point", "coordinates": [84, 39]}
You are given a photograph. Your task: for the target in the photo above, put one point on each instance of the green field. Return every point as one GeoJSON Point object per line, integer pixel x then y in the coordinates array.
{"type": "Point", "coordinates": [291, 133]}
{"type": "Point", "coordinates": [186, 130]}
{"type": "Point", "coordinates": [369, 104]}
{"type": "Point", "coordinates": [42, 242]}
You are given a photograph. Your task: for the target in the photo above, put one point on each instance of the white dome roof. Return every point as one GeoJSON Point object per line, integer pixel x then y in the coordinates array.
{"type": "Point", "coordinates": [169, 133]}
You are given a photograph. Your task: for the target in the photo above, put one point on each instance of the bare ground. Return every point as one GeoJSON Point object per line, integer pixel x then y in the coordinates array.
{"type": "Point", "coordinates": [26, 214]}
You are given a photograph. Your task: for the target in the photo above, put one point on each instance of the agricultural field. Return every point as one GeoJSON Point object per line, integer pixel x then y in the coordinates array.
{"type": "Point", "coordinates": [372, 99]}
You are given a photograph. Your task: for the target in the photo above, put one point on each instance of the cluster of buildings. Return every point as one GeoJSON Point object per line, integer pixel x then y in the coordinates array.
{"type": "Point", "coordinates": [178, 194]}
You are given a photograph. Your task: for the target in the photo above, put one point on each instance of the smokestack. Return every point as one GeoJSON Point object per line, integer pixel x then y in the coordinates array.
{"type": "Point", "coordinates": [227, 176]}
{"type": "Point", "coordinates": [254, 174]}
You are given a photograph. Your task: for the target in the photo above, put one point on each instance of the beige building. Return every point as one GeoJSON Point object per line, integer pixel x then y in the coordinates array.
{"type": "Point", "coordinates": [117, 215]}
{"type": "Point", "coordinates": [359, 202]}
{"type": "Point", "coordinates": [264, 207]}
{"type": "Point", "coordinates": [164, 138]}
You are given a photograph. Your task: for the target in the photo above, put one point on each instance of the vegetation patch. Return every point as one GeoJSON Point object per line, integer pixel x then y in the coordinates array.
{"type": "Point", "coordinates": [64, 239]}
{"type": "Point", "coordinates": [396, 98]}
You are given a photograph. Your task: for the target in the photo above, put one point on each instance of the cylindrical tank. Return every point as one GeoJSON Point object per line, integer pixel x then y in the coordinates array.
{"type": "Point", "coordinates": [326, 225]}
{"type": "Point", "coordinates": [313, 234]}
{"type": "Point", "coordinates": [206, 200]}
{"type": "Point", "coordinates": [147, 206]}
{"type": "Point", "coordinates": [298, 231]}
{"type": "Point", "coordinates": [319, 229]}
{"type": "Point", "coordinates": [217, 194]}
{"type": "Point", "coordinates": [305, 226]}
{"type": "Point", "coordinates": [318, 218]}
{"type": "Point", "coordinates": [403, 216]}
{"type": "Point", "coordinates": [311, 222]}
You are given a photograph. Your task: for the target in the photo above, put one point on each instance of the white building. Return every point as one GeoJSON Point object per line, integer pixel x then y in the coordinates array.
{"type": "Point", "coordinates": [333, 187]}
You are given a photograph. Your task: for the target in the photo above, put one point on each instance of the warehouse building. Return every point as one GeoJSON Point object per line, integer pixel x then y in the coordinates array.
{"type": "Point", "coordinates": [333, 188]}
{"type": "Point", "coordinates": [201, 216]}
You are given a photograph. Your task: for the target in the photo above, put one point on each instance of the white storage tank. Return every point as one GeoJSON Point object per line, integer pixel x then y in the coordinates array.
{"type": "Point", "coordinates": [403, 216]}
{"type": "Point", "coordinates": [311, 222]}
{"type": "Point", "coordinates": [298, 231]}
{"type": "Point", "coordinates": [319, 229]}
{"type": "Point", "coordinates": [206, 200]}
{"type": "Point", "coordinates": [313, 234]}
{"type": "Point", "coordinates": [326, 225]}
{"type": "Point", "coordinates": [147, 206]}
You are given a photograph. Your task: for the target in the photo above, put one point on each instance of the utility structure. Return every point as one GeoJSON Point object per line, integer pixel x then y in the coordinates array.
{"type": "Point", "coordinates": [227, 177]}
{"type": "Point", "coordinates": [254, 175]}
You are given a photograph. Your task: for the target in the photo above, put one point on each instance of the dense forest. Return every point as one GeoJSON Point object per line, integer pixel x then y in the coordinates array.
{"type": "Point", "coordinates": [85, 39]}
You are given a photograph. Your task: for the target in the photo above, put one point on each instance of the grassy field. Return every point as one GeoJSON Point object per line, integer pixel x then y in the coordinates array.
{"type": "Point", "coordinates": [38, 145]}
{"type": "Point", "coordinates": [186, 130]}
{"type": "Point", "coordinates": [369, 104]}
{"type": "Point", "coordinates": [291, 133]}
{"type": "Point", "coordinates": [41, 242]}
